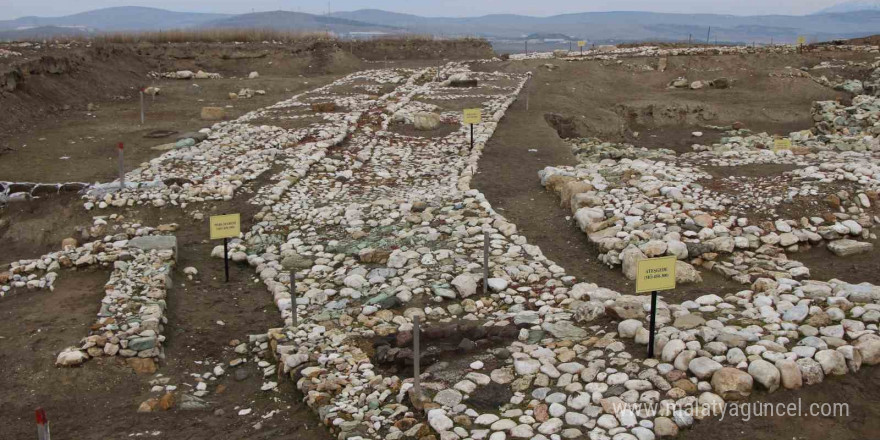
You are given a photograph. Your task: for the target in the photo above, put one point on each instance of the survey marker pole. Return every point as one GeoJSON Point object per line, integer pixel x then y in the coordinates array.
{"type": "Point", "coordinates": [42, 424]}
{"type": "Point", "coordinates": [417, 380]}
{"type": "Point", "coordinates": [120, 147]}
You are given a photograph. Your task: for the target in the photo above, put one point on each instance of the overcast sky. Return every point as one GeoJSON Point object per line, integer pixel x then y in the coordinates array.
{"type": "Point", "coordinates": [450, 8]}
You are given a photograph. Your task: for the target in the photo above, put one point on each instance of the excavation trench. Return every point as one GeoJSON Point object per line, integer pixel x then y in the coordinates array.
{"type": "Point", "coordinates": [442, 346]}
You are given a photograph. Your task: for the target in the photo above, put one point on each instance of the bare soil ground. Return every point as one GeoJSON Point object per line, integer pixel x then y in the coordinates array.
{"type": "Point", "coordinates": [622, 102]}
{"type": "Point", "coordinates": [82, 147]}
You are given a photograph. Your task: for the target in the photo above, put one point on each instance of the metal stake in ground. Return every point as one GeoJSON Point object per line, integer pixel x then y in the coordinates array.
{"type": "Point", "coordinates": [417, 380]}
{"type": "Point", "coordinates": [142, 106]}
{"type": "Point", "coordinates": [42, 424]}
{"type": "Point", "coordinates": [120, 147]}
{"type": "Point", "coordinates": [293, 296]}
{"type": "Point", "coordinates": [485, 261]}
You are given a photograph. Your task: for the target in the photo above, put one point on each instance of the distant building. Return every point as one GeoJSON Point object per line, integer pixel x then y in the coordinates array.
{"type": "Point", "coordinates": [367, 34]}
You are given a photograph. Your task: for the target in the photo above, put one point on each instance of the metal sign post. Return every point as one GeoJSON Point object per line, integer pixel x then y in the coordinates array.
{"type": "Point", "coordinates": [120, 148]}
{"type": "Point", "coordinates": [653, 324]}
{"type": "Point", "coordinates": [528, 88]}
{"type": "Point", "coordinates": [485, 261]}
{"type": "Point", "coordinates": [417, 380]}
{"type": "Point", "coordinates": [226, 258]}
{"type": "Point", "coordinates": [654, 275]}
{"type": "Point", "coordinates": [225, 227]}
{"type": "Point", "coordinates": [293, 296]}
{"type": "Point", "coordinates": [472, 116]}
{"type": "Point", "coordinates": [142, 106]}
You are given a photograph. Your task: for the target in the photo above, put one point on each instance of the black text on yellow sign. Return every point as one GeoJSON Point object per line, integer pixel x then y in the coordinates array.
{"type": "Point", "coordinates": [655, 274]}
{"type": "Point", "coordinates": [225, 226]}
{"type": "Point", "coordinates": [472, 115]}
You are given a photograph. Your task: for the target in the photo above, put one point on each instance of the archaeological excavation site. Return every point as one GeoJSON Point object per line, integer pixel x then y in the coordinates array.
{"type": "Point", "coordinates": [415, 238]}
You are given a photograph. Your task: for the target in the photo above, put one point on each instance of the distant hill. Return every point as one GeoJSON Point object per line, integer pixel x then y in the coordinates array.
{"type": "Point", "coordinates": [123, 18]}
{"type": "Point", "coordinates": [851, 6]}
{"type": "Point", "coordinates": [628, 26]}
{"type": "Point", "coordinates": [297, 21]}
{"type": "Point", "coordinates": [596, 27]}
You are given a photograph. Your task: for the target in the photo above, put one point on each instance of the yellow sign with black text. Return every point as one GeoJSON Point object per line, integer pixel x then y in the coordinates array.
{"type": "Point", "coordinates": [655, 274]}
{"type": "Point", "coordinates": [472, 115]}
{"type": "Point", "coordinates": [582, 43]}
{"type": "Point", "coordinates": [801, 41]}
{"type": "Point", "coordinates": [225, 226]}
{"type": "Point", "coordinates": [782, 144]}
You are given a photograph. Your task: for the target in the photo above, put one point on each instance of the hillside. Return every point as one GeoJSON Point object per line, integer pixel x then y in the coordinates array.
{"type": "Point", "coordinates": [123, 18]}
{"type": "Point", "coordinates": [624, 25]}
{"type": "Point", "coordinates": [296, 21]}
{"type": "Point", "coordinates": [593, 26]}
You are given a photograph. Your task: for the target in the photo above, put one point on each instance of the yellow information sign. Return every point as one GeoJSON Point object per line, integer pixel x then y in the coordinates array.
{"type": "Point", "coordinates": [582, 43]}
{"type": "Point", "coordinates": [655, 274]}
{"type": "Point", "coordinates": [472, 115]}
{"type": "Point", "coordinates": [802, 40]}
{"type": "Point", "coordinates": [225, 226]}
{"type": "Point", "coordinates": [782, 144]}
